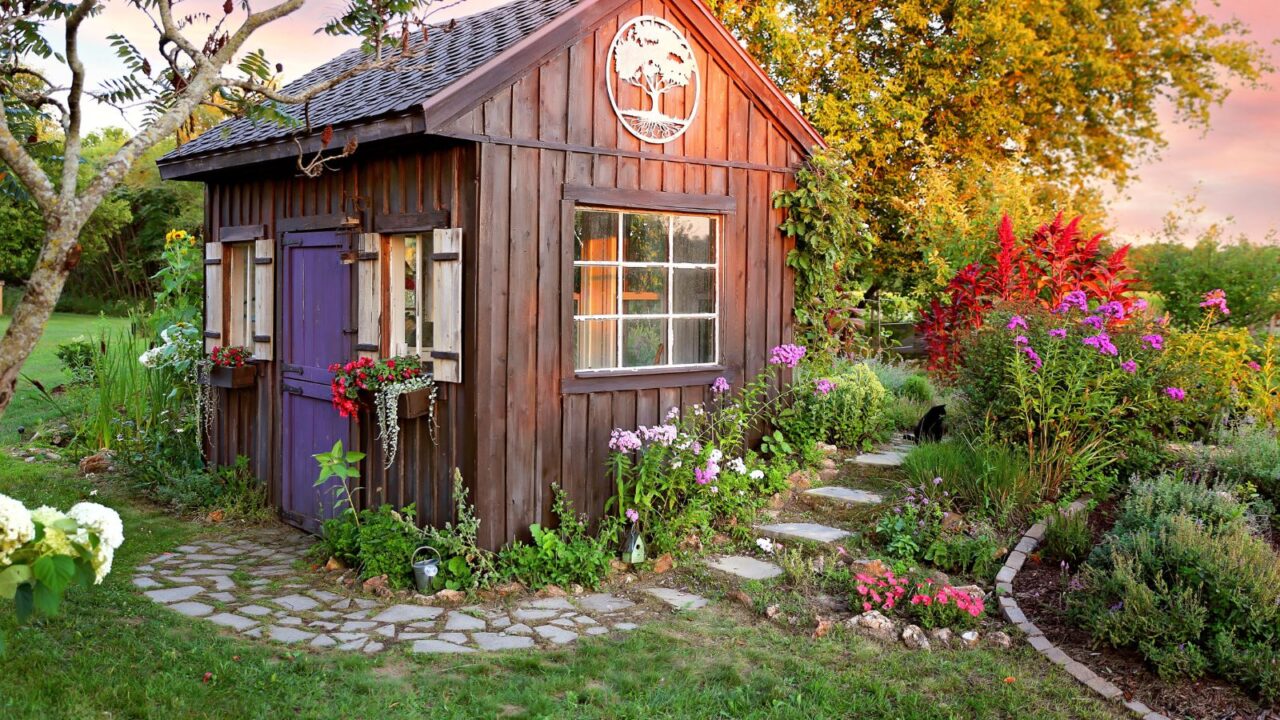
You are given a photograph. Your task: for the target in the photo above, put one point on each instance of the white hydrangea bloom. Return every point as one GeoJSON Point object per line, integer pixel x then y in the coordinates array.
{"type": "Point", "coordinates": [765, 544]}
{"type": "Point", "coordinates": [151, 358]}
{"type": "Point", "coordinates": [101, 520]}
{"type": "Point", "coordinates": [738, 466]}
{"type": "Point", "coordinates": [756, 475]}
{"type": "Point", "coordinates": [16, 527]}
{"type": "Point", "coordinates": [46, 515]}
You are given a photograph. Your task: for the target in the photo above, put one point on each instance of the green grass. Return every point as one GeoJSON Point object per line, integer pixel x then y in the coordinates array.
{"type": "Point", "coordinates": [28, 407]}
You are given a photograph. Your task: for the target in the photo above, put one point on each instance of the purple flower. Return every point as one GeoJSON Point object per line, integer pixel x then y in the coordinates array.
{"type": "Point", "coordinates": [1176, 393]}
{"type": "Point", "coordinates": [1102, 342]}
{"type": "Point", "coordinates": [823, 387]}
{"type": "Point", "coordinates": [1113, 310]}
{"type": "Point", "coordinates": [1058, 332]}
{"type": "Point", "coordinates": [1016, 322]}
{"type": "Point", "coordinates": [721, 385]}
{"type": "Point", "coordinates": [1021, 340]}
{"type": "Point", "coordinates": [1254, 366]}
{"type": "Point", "coordinates": [937, 481]}
{"type": "Point", "coordinates": [1216, 299]}
{"type": "Point", "coordinates": [1094, 321]}
{"type": "Point", "coordinates": [1129, 366]}
{"type": "Point", "coordinates": [1156, 342]}
{"type": "Point", "coordinates": [623, 441]}
{"type": "Point", "coordinates": [1140, 304]}
{"type": "Point", "coordinates": [1033, 357]}
{"type": "Point", "coordinates": [632, 515]}
{"type": "Point", "coordinates": [661, 434]}
{"type": "Point", "coordinates": [1075, 299]}
{"type": "Point", "coordinates": [788, 355]}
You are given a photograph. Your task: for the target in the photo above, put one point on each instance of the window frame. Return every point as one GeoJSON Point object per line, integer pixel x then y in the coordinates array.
{"type": "Point", "coordinates": [393, 299]}
{"type": "Point", "coordinates": [240, 286]}
{"type": "Point", "coordinates": [722, 206]}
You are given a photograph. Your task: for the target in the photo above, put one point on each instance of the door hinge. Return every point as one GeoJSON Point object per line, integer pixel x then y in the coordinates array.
{"type": "Point", "coordinates": [286, 367]}
{"type": "Point", "coordinates": [290, 241]}
{"type": "Point", "coordinates": [291, 389]}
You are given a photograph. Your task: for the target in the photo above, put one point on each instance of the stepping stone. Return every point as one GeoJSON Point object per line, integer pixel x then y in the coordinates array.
{"type": "Point", "coordinates": [439, 646]}
{"type": "Point", "coordinates": [235, 622]}
{"type": "Point", "coordinates": [386, 631]}
{"type": "Point", "coordinates": [357, 615]}
{"type": "Point", "coordinates": [453, 637]}
{"type": "Point", "coordinates": [255, 610]}
{"type": "Point", "coordinates": [551, 603]}
{"type": "Point", "coordinates": [603, 603]}
{"type": "Point", "coordinates": [289, 620]}
{"type": "Point", "coordinates": [288, 635]}
{"type": "Point", "coordinates": [172, 595]}
{"type": "Point", "coordinates": [297, 603]}
{"type": "Point", "coordinates": [224, 597]}
{"type": "Point", "coordinates": [584, 620]}
{"type": "Point", "coordinates": [323, 641]}
{"type": "Point", "coordinates": [494, 641]}
{"type": "Point", "coordinates": [325, 614]}
{"type": "Point", "coordinates": [354, 644]}
{"type": "Point", "coordinates": [518, 629]}
{"type": "Point", "coordinates": [414, 636]}
{"type": "Point", "coordinates": [745, 567]}
{"type": "Point", "coordinates": [373, 647]}
{"type": "Point", "coordinates": [883, 458]}
{"type": "Point", "coordinates": [187, 549]}
{"type": "Point", "coordinates": [848, 496]}
{"type": "Point", "coordinates": [349, 637]}
{"type": "Point", "coordinates": [192, 609]}
{"type": "Point", "coordinates": [323, 625]}
{"type": "Point", "coordinates": [557, 635]}
{"type": "Point", "coordinates": [564, 623]}
{"type": "Point", "coordinates": [365, 604]}
{"type": "Point", "coordinates": [528, 615]}
{"type": "Point", "coordinates": [678, 599]}
{"type": "Point", "coordinates": [625, 627]}
{"type": "Point", "coordinates": [358, 625]}
{"type": "Point", "coordinates": [325, 596]}
{"type": "Point", "coordinates": [222, 582]}
{"type": "Point", "coordinates": [462, 621]}
{"type": "Point", "coordinates": [143, 582]}
{"type": "Point", "coordinates": [407, 613]}
{"type": "Point", "coordinates": [812, 532]}
{"type": "Point", "coordinates": [597, 630]}
{"type": "Point", "coordinates": [500, 622]}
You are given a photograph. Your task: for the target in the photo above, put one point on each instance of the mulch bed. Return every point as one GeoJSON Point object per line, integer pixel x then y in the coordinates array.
{"type": "Point", "coordinates": [1040, 590]}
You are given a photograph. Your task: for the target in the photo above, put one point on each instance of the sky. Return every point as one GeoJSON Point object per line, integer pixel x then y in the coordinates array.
{"type": "Point", "coordinates": [1233, 169]}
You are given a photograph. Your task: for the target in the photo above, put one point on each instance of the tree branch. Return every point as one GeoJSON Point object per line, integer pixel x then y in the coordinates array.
{"type": "Point", "coordinates": [75, 94]}
{"type": "Point", "coordinates": [25, 167]}
{"type": "Point", "coordinates": [310, 92]}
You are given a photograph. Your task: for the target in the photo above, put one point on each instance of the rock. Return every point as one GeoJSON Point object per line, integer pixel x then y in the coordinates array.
{"type": "Point", "coordinates": [941, 636]}
{"type": "Point", "coordinates": [449, 597]}
{"type": "Point", "coordinates": [777, 502]}
{"type": "Point", "coordinates": [828, 475]}
{"type": "Point", "coordinates": [824, 627]}
{"type": "Point", "coordinates": [678, 599]}
{"type": "Point", "coordinates": [557, 635]}
{"type": "Point", "coordinates": [407, 613]}
{"type": "Point", "coordinates": [176, 594]}
{"type": "Point", "coordinates": [439, 646]}
{"type": "Point", "coordinates": [865, 566]}
{"type": "Point", "coordinates": [969, 639]}
{"type": "Point", "coordinates": [800, 480]}
{"type": "Point", "coordinates": [377, 586]}
{"type": "Point", "coordinates": [972, 591]}
{"type": "Point", "coordinates": [914, 638]}
{"type": "Point", "coordinates": [952, 521]}
{"type": "Point", "coordinates": [462, 621]}
{"type": "Point", "coordinates": [494, 641]}
{"type": "Point", "coordinates": [618, 565]}
{"type": "Point", "coordinates": [510, 588]}
{"type": "Point", "coordinates": [693, 542]}
{"type": "Point", "coordinates": [97, 463]}
{"type": "Point", "coordinates": [741, 598]}
{"type": "Point", "coordinates": [876, 625]}
{"type": "Point", "coordinates": [603, 603]}
{"type": "Point", "coordinates": [235, 622]}
{"type": "Point", "coordinates": [772, 611]}
{"type": "Point", "coordinates": [550, 603]}
{"type": "Point", "coordinates": [828, 463]}
{"type": "Point", "coordinates": [334, 564]}
{"type": "Point", "coordinates": [827, 448]}
{"type": "Point", "coordinates": [296, 603]}
{"type": "Point", "coordinates": [663, 564]}
{"type": "Point", "coordinates": [551, 591]}
{"type": "Point", "coordinates": [288, 635]}
{"type": "Point", "coordinates": [999, 640]}
{"type": "Point", "coordinates": [216, 516]}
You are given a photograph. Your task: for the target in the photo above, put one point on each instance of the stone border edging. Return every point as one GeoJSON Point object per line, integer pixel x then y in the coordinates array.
{"type": "Point", "coordinates": [1009, 608]}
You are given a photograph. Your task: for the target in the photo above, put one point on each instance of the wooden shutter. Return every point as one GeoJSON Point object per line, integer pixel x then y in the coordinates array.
{"type": "Point", "coordinates": [369, 292]}
{"type": "Point", "coordinates": [213, 290]}
{"type": "Point", "coordinates": [264, 297]}
{"type": "Point", "coordinates": [446, 305]}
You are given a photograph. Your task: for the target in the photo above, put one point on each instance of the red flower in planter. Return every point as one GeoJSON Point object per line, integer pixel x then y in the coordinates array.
{"type": "Point", "coordinates": [367, 374]}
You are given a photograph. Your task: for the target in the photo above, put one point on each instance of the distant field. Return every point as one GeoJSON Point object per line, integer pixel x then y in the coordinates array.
{"type": "Point", "coordinates": [28, 407]}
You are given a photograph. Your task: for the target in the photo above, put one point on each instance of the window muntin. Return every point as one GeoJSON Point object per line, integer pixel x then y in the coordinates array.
{"type": "Point", "coordinates": [645, 290]}
{"type": "Point", "coordinates": [410, 297]}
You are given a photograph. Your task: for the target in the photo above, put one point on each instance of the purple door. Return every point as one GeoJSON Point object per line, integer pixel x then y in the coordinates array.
{"type": "Point", "coordinates": [316, 311]}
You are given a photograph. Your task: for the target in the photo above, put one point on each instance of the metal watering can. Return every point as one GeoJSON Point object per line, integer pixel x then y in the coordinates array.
{"type": "Point", "coordinates": [425, 570]}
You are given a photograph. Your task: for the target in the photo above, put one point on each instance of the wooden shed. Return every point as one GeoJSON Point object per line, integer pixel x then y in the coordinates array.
{"type": "Point", "coordinates": [564, 205]}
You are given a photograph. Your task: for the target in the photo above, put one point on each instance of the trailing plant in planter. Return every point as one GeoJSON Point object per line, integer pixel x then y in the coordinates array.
{"type": "Point", "coordinates": [234, 356]}
{"type": "Point", "coordinates": [386, 380]}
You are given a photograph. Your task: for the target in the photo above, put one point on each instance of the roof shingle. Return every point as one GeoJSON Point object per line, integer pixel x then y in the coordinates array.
{"type": "Point", "coordinates": [447, 56]}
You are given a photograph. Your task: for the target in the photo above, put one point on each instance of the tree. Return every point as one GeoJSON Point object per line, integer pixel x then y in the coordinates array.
{"type": "Point", "coordinates": [184, 75]}
{"type": "Point", "coordinates": [655, 58]}
{"type": "Point", "coordinates": [1068, 90]}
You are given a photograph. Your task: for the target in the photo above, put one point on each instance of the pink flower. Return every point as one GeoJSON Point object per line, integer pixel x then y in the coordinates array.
{"type": "Point", "coordinates": [721, 385]}
{"type": "Point", "coordinates": [632, 515]}
{"type": "Point", "coordinates": [1155, 342]}
{"type": "Point", "coordinates": [1102, 342]}
{"type": "Point", "coordinates": [1254, 366]}
{"type": "Point", "coordinates": [823, 387]}
{"type": "Point", "coordinates": [788, 355]}
{"type": "Point", "coordinates": [1176, 393]}
{"type": "Point", "coordinates": [1058, 332]}
{"type": "Point", "coordinates": [1015, 322]}
{"type": "Point", "coordinates": [1033, 357]}
{"type": "Point", "coordinates": [1216, 299]}
{"type": "Point", "coordinates": [866, 606]}
{"type": "Point", "coordinates": [1129, 366]}
{"type": "Point", "coordinates": [623, 441]}
{"type": "Point", "coordinates": [1140, 304]}
{"type": "Point", "coordinates": [1021, 340]}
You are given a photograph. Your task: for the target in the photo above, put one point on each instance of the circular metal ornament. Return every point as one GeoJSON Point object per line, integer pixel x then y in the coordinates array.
{"type": "Point", "coordinates": [652, 55]}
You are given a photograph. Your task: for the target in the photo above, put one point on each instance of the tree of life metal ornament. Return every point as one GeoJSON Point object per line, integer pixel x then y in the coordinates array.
{"type": "Point", "coordinates": [651, 54]}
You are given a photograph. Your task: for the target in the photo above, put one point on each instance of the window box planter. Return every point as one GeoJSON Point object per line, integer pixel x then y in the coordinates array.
{"type": "Point", "coordinates": [231, 378]}
{"type": "Point", "coordinates": [409, 406]}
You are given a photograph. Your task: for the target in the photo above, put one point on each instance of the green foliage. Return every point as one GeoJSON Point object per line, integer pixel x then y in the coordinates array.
{"type": "Point", "coordinates": [917, 388]}
{"type": "Point", "coordinates": [565, 556]}
{"type": "Point", "coordinates": [340, 538]}
{"type": "Point", "coordinates": [1067, 537]}
{"type": "Point", "coordinates": [1248, 272]}
{"type": "Point", "coordinates": [343, 466]}
{"type": "Point", "coordinates": [1245, 455]}
{"type": "Point", "coordinates": [387, 540]}
{"type": "Point", "coordinates": [77, 357]}
{"type": "Point", "coordinates": [845, 406]}
{"type": "Point", "coordinates": [978, 553]}
{"type": "Point", "coordinates": [232, 489]}
{"type": "Point", "coordinates": [464, 564]}
{"type": "Point", "coordinates": [986, 479]}
{"type": "Point", "coordinates": [1183, 579]}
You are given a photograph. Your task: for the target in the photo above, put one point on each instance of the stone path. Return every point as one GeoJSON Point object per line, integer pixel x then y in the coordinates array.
{"type": "Point", "coordinates": [844, 495]}
{"type": "Point", "coordinates": [812, 532]}
{"type": "Point", "coordinates": [260, 587]}
{"type": "Point", "coordinates": [747, 568]}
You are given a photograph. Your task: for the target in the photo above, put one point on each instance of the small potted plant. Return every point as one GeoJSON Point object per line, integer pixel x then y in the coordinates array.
{"type": "Point", "coordinates": [398, 388]}
{"type": "Point", "coordinates": [229, 367]}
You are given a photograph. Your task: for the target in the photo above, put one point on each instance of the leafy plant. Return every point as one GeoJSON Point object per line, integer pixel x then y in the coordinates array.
{"type": "Point", "coordinates": [343, 466]}
{"type": "Point", "coordinates": [387, 540]}
{"type": "Point", "coordinates": [464, 564]}
{"type": "Point", "coordinates": [987, 479]}
{"type": "Point", "coordinates": [1067, 537]}
{"type": "Point", "coordinates": [978, 553]}
{"type": "Point", "coordinates": [563, 556]}
{"type": "Point", "coordinates": [340, 539]}
{"type": "Point", "coordinates": [77, 358]}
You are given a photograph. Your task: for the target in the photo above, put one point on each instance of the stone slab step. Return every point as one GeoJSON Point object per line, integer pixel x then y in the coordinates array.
{"type": "Point", "coordinates": [747, 568]}
{"type": "Point", "coordinates": [846, 496]}
{"type": "Point", "coordinates": [813, 532]}
{"type": "Point", "coordinates": [880, 458]}
{"type": "Point", "coordinates": [678, 599]}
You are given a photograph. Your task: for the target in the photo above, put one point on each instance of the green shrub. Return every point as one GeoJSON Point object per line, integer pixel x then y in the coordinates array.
{"type": "Point", "coordinates": [892, 375]}
{"type": "Point", "coordinates": [917, 388]}
{"type": "Point", "coordinates": [903, 415]}
{"type": "Point", "coordinates": [847, 409]}
{"type": "Point", "coordinates": [564, 556]}
{"type": "Point", "coordinates": [1246, 455]}
{"type": "Point", "coordinates": [339, 538]}
{"type": "Point", "coordinates": [1184, 580]}
{"type": "Point", "coordinates": [986, 479]}
{"type": "Point", "coordinates": [1067, 537]}
{"type": "Point", "coordinates": [387, 540]}
{"type": "Point", "coordinates": [77, 358]}
{"type": "Point", "coordinates": [978, 553]}
{"type": "Point", "coordinates": [463, 563]}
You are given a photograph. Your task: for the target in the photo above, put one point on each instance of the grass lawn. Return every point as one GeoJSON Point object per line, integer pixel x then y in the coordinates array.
{"type": "Point", "coordinates": [28, 406]}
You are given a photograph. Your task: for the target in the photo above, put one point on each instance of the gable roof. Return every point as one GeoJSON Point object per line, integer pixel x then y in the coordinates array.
{"type": "Point", "coordinates": [444, 76]}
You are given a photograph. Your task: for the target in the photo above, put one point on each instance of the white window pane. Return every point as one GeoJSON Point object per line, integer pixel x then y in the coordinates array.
{"type": "Point", "coordinates": [694, 342]}
{"type": "Point", "coordinates": [694, 291]}
{"type": "Point", "coordinates": [595, 344]}
{"type": "Point", "coordinates": [694, 240]}
{"type": "Point", "coordinates": [595, 290]}
{"type": "Point", "coordinates": [409, 290]}
{"type": "Point", "coordinates": [644, 343]}
{"type": "Point", "coordinates": [644, 291]}
{"type": "Point", "coordinates": [595, 236]}
{"type": "Point", "coordinates": [646, 239]}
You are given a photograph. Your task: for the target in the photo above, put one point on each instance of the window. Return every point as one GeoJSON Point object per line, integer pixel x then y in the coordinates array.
{"type": "Point", "coordinates": [410, 296]}
{"type": "Point", "coordinates": [645, 290]}
{"type": "Point", "coordinates": [239, 263]}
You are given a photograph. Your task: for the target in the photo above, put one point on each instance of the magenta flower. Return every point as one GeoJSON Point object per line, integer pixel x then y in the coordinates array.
{"type": "Point", "coordinates": [1156, 342]}
{"type": "Point", "coordinates": [1021, 340]}
{"type": "Point", "coordinates": [1140, 304]}
{"type": "Point", "coordinates": [788, 355]}
{"type": "Point", "coordinates": [721, 385]}
{"type": "Point", "coordinates": [1058, 332]}
{"type": "Point", "coordinates": [1094, 321]}
{"type": "Point", "coordinates": [1016, 322]}
{"type": "Point", "coordinates": [1176, 393]}
{"type": "Point", "coordinates": [1033, 357]}
{"type": "Point", "coordinates": [1129, 366]}
{"type": "Point", "coordinates": [1254, 366]}
{"type": "Point", "coordinates": [1113, 310]}
{"type": "Point", "coordinates": [823, 387]}
{"type": "Point", "coordinates": [632, 515]}
{"type": "Point", "coordinates": [1075, 299]}
{"type": "Point", "coordinates": [1216, 299]}
{"type": "Point", "coordinates": [1102, 342]}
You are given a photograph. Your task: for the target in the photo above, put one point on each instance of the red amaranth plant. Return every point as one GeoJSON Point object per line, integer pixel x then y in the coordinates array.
{"type": "Point", "coordinates": [1040, 269]}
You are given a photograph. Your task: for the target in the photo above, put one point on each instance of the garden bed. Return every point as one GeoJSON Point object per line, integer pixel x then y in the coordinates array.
{"type": "Point", "coordinates": [1040, 589]}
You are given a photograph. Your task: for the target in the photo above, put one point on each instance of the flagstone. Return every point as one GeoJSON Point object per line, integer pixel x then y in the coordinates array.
{"type": "Point", "coordinates": [462, 621]}
{"type": "Point", "coordinates": [812, 532]}
{"type": "Point", "coordinates": [439, 646]}
{"type": "Point", "coordinates": [175, 594]}
{"type": "Point", "coordinates": [557, 635]}
{"type": "Point", "coordinates": [233, 621]}
{"type": "Point", "coordinates": [847, 496]}
{"type": "Point", "coordinates": [297, 603]}
{"type": "Point", "coordinates": [495, 641]}
{"type": "Point", "coordinates": [603, 603]}
{"type": "Point", "coordinates": [192, 609]}
{"type": "Point", "coordinates": [744, 567]}
{"type": "Point", "coordinates": [407, 613]}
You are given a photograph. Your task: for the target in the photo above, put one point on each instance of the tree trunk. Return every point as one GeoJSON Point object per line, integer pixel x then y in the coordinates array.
{"type": "Point", "coordinates": [32, 313]}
